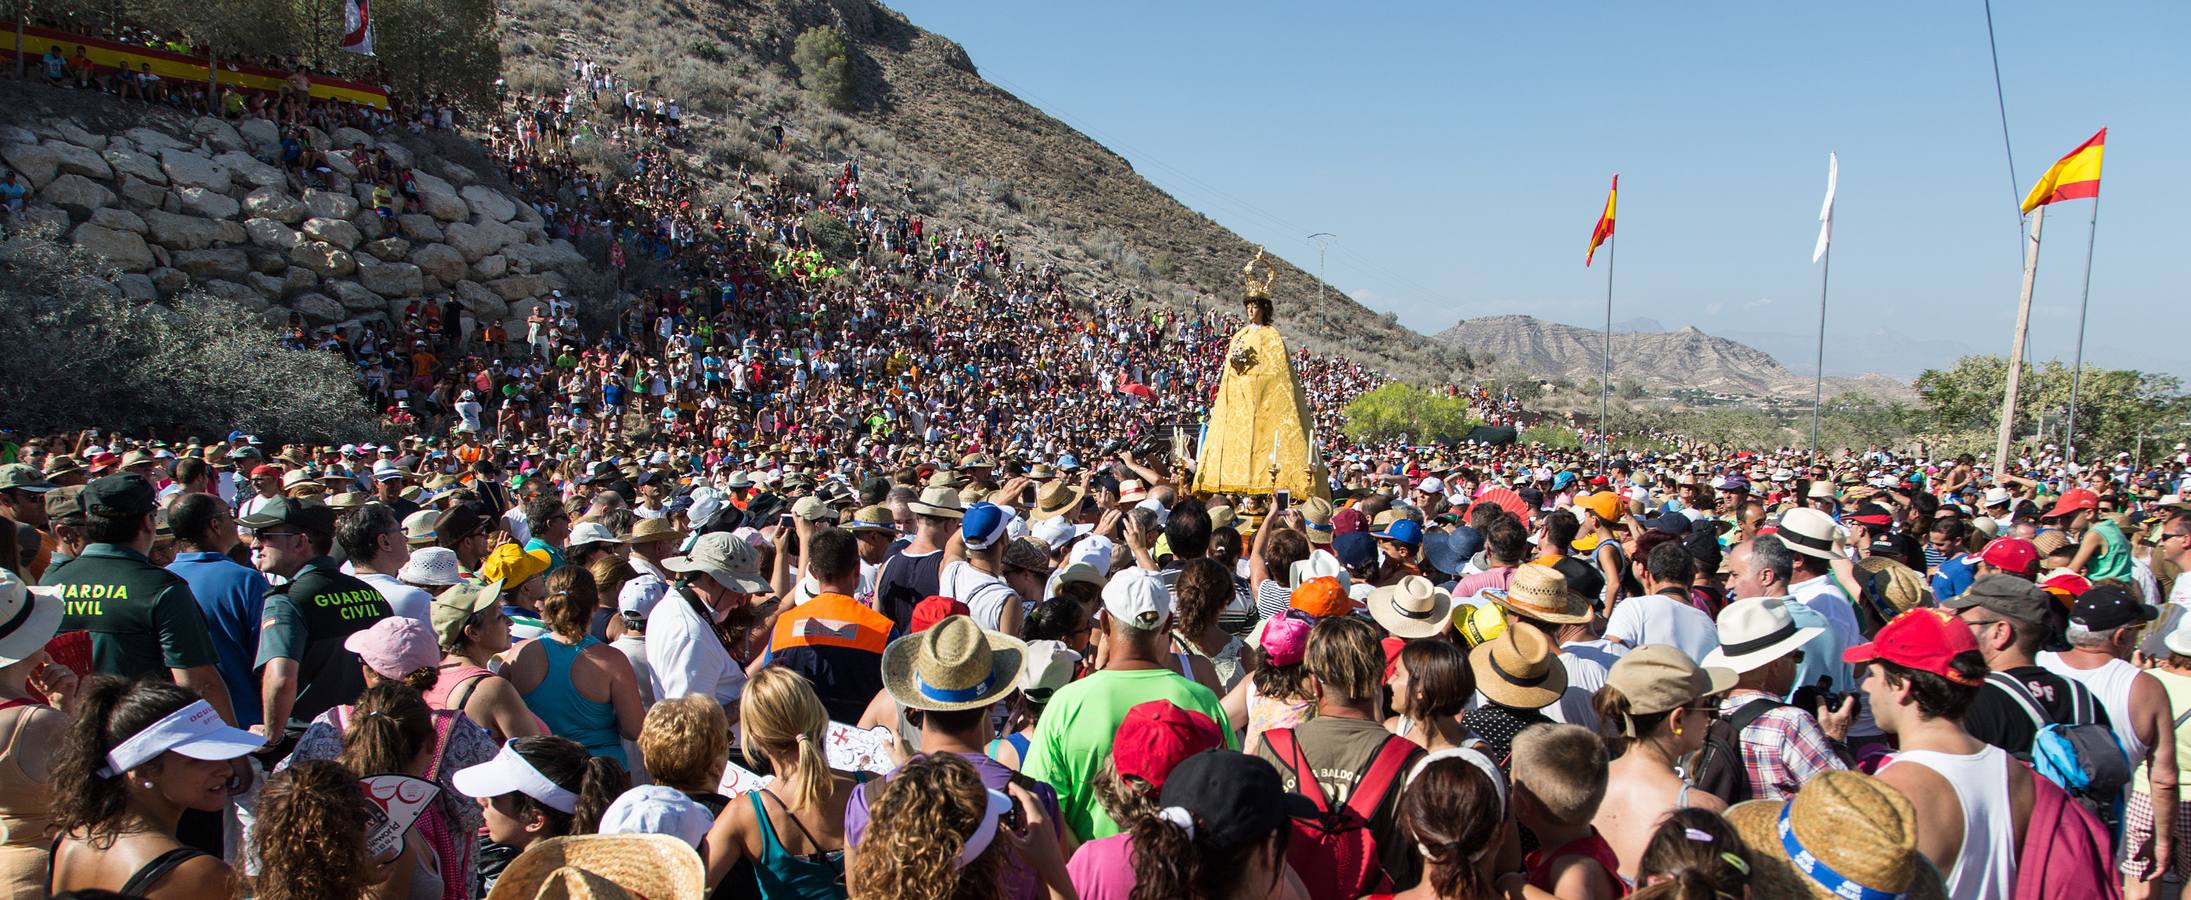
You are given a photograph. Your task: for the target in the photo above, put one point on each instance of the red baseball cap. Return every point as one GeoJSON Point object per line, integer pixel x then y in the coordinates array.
{"type": "Point", "coordinates": [932, 610]}
{"type": "Point", "coordinates": [265, 470]}
{"type": "Point", "coordinates": [1156, 736]}
{"type": "Point", "coordinates": [1348, 519]}
{"type": "Point", "coordinates": [2073, 500]}
{"type": "Point", "coordinates": [1925, 639]}
{"type": "Point", "coordinates": [2011, 555]}
{"type": "Point", "coordinates": [2066, 584]}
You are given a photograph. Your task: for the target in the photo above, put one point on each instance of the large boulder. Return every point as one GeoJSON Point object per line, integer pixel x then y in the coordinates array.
{"type": "Point", "coordinates": [546, 257]}
{"type": "Point", "coordinates": [248, 169]}
{"type": "Point", "coordinates": [140, 192]}
{"type": "Point", "coordinates": [77, 194]}
{"type": "Point", "coordinates": [216, 132]}
{"type": "Point", "coordinates": [519, 287]}
{"type": "Point", "coordinates": [355, 296]}
{"type": "Point", "coordinates": [167, 281]}
{"type": "Point", "coordinates": [487, 203]}
{"type": "Point", "coordinates": [271, 234]}
{"type": "Point", "coordinates": [330, 205]}
{"type": "Point", "coordinates": [125, 249]}
{"type": "Point", "coordinates": [42, 216]}
{"type": "Point", "coordinates": [323, 258]}
{"type": "Point", "coordinates": [456, 173]}
{"type": "Point", "coordinates": [134, 164]}
{"type": "Point", "coordinates": [271, 203]}
{"type": "Point", "coordinates": [198, 201]}
{"type": "Point", "coordinates": [267, 260]}
{"type": "Point", "coordinates": [262, 135]}
{"type": "Point", "coordinates": [441, 261]}
{"type": "Point", "coordinates": [334, 231]}
{"type": "Point", "coordinates": [400, 155]}
{"type": "Point", "coordinates": [484, 304]}
{"type": "Point", "coordinates": [477, 242]}
{"type": "Point", "coordinates": [390, 249]}
{"type": "Point", "coordinates": [495, 266]}
{"type": "Point", "coordinates": [369, 224]}
{"type": "Point", "coordinates": [75, 160]}
{"type": "Point", "coordinates": [229, 231]}
{"type": "Point", "coordinates": [42, 162]}
{"type": "Point", "coordinates": [440, 198]}
{"type": "Point", "coordinates": [418, 227]}
{"type": "Point", "coordinates": [227, 263]}
{"type": "Point", "coordinates": [178, 232]}
{"type": "Point", "coordinates": [192, 169]}
{"type": "Point", "coordinates": [68, 130]}
{"type": "Point", "coordinates": [298, 280]}
{"type": "Point", "coordinates": [154, 141]}
{"type": "Point", "coordinates": [118, 219]}
{"type": "Point", "coordinates": [318, 308]}
{"type": "Point", "coordinates": [244, 295]}
{"type": "Point", "coordinates": [270, 285]}
{"type": "Point", "coordinates": [399, 279]}
{"type": "Point", "coordinates": [345, 136]}
{"type": "Point", "coordinates": [137, 286]}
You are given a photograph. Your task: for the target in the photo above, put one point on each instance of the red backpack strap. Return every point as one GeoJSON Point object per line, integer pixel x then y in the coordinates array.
{"type": "Point", "coordinates": [1385, 770]}
{"type": "Point", "coordinates": [1281, 744]}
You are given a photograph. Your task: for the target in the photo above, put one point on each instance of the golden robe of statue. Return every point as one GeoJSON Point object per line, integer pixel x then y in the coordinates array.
{"type": "Point", "coordinates": [1259, 423]}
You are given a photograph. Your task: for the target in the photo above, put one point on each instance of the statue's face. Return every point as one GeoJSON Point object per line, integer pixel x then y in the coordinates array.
{"type": "Point", "coordinates": [1259, 312]}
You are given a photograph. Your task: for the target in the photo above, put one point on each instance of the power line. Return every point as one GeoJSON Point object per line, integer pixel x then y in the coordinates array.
{"type": "Point", "coordinates": [2000, 102]}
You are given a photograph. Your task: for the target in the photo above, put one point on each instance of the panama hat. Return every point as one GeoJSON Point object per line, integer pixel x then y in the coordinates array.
{"type": "Point", "coordinates": [587, 534]}
{"type": "Point", "coordinates": [29, 616]}
{"type": "Point", "coordinates": [604, 867]}
{"type": "Point", "coordinates": [648, 531]}
{"type": "Point", "coordinates": [1811, 533]}
{"type": "Point", "coordinates": [1411, 607]}
{"type": "Point", "coordinates": [955, 664]}
{"type": "Point", "coordinates": [1519, 669]}
{"type": "Point", "coordinates": [1845, 829]}
{"type": "Point", "coordinates": [1541, 593]}
{"type": "Point", "coordinates": [1056, 499]}
{"type": "Point", "coordinates": [431, 567]}
{"type": "Point", "coordinates": [1755, 631]}
{"type": "Point", "coordinates": [939, 501]}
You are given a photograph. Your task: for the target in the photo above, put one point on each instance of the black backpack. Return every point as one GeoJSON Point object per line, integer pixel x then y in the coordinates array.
{"type": "Point", "coordinates": [1718, 767]}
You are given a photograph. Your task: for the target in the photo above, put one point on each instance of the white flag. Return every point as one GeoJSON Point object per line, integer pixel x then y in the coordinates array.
{"type": "Point", "coordinates": [1825, 213]}
{"type": "Point", "coordinates": [357, 28]}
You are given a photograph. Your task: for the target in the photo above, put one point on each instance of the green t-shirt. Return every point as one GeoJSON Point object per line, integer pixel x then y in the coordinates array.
{"type": "Point", "coordinates": [142, 618]}
{"type": "Point", "coordinates": [2113, 560]}
{"type": "Point", "coordinates": [1074, 737]}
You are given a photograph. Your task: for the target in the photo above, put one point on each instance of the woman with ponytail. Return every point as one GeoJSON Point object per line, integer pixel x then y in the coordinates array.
{"type": "Point", "coordinates": [311, 839]}
{"type": "Point", "coordinates": [1653, 711]}
{"type": "Point", "coordinates": [1694, 855]}
{"type": "Point", "coordinates": [1153, 739]}
{"type": "Point", "coordinates": [537, 788]}
{"type": "Point", "coordinates": [792, 830]}
{"type": "Point", "coordinates": [580, 687]}
{"type": "Point", "coordinates": [138, 755]}
{"type": "Point", "coordinates": [1454, 812]}
{"type": "Point", "coordinates": [937, 832]}
{"type": "Point", "coordinates": [1221, 834]}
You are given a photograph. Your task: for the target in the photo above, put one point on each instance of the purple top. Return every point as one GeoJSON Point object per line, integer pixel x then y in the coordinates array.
{"type": "Point", "coordinates": [994, 775]}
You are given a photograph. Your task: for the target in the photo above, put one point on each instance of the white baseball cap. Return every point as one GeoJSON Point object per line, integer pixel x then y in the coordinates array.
{"type": "Point", "coordinates": [657, 809]}
{"type": "Point", "coordinates": [1135, 597]}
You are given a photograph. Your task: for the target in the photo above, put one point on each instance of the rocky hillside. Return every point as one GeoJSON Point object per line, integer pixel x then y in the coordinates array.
{"type": "Point", "coordinates": [1687, 359]}
{"type": "Point", "coordinates": [927, 129]}
{"type": "Point", "coordinates": [177, 203]}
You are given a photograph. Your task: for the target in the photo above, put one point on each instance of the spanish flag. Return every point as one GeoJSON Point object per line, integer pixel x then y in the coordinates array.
{"type": "Point", "coordinates": [2073, 177]}
{"type": "Point", "coordinates": [1605, 222]}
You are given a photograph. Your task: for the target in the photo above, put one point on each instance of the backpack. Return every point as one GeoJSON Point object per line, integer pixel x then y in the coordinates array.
{"type": "Point", "coordinates": [1336, 854]}
{"type": "Point", "coordinates": [2084, 757]}
{"type": "Point", "coordinates": [1718, 767]}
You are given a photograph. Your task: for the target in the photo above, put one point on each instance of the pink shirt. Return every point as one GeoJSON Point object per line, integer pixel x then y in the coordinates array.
{"type": "Point", "coordinates": [1103, 869]}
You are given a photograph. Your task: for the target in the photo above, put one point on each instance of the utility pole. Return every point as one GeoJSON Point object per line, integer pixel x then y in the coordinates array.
{"type": "Point", "coordinates": [2016, 347]}
{"type": "Point", "coordinates": [1323, 242]}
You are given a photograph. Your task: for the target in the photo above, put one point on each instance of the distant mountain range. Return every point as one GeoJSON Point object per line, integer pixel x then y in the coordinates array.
{"type": "Point", "coordinates": [1646, 353]}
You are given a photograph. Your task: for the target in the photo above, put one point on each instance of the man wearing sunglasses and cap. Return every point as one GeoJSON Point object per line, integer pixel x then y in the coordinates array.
{"type": "Point", "coordinates": [143, 619]}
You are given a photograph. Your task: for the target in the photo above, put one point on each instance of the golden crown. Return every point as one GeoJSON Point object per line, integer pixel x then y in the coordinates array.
{"type": "Point", "coordinates": [1259, 289]}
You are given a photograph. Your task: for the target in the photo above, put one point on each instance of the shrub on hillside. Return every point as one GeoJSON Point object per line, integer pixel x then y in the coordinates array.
{"type": "Point", "coordinates": [832, 235]}
{"type": "Point", "coordinates": [74, 353]}
{"type": "Point", "coordinates": [825, 66]}
{"type": "Point", "coordinates": [1399, 410]}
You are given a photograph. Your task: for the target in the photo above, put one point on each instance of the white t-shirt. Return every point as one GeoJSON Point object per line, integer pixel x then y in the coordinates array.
{"type": "Point", "coordinates": [404, 599]}
{"type": "Point", "coordinates": [984, 594]}
{"type": "Point", "coordinates": [1660, 619]}
{"type": "Point", "coordinates": [685, 658]}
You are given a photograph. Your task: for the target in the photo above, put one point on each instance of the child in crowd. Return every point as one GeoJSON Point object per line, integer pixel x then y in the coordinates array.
{"type": "Point", "coordinates": [1559, 780]}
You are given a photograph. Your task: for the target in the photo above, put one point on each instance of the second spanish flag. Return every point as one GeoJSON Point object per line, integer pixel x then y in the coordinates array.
{"type": "Point", "coordinates": [1605, 223]}
{"type": "Point", "coordinates": [2073, 177]}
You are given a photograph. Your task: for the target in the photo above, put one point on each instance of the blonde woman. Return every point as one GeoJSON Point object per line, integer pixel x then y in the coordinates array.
{"type": "Point", "coordinates": [793, 829]}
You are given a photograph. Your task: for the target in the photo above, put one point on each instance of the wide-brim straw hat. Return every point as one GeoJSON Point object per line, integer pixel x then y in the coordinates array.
{"type": "Point", "coordinates": [936, 500]}
{"type": "Point", "coordinates": [1519, 669]}
{"type": "Point", "coordinates": [1056, 499]}
{"type": "Point", "coordinates": [604, 866]}
{"type": "Point", "coordinates": [954, 664]}
{"type": "Point", "coordinates": [1411, 608]}
{"type": "Point", "coordinates": [1541, 593]}
{"type": "Point", "coordinates": [660, 528]}
{"type": "Point", "coordinates": [1755, 631]}
{"type": "Point", "coordinates": [1854, 825]}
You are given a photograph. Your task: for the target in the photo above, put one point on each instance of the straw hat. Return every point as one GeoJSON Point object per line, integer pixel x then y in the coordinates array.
{"type": "Point", "coordinates": [1056, 499]}
{"type": "Point", "coordinates": [953, 665]}
{"type": "Point", "coordinates": [1755, 631]}
{"type": "Point", "coordinates": [938, 500]}
{"type": "Point", "coordinates": [1518, 669]}
{"type": "Point", "coordinates": [1411, 607]}
{"type": "Point", "coordinates": [647, 531]}
{"type": "Point", "coordinates": [1853, 830]}
{"type": "Point", "coordinates": [1541, 593]}
{"type": "Point", "coordinates": [604, 867]}
{"type": "Point", "coordinates": [348, 500]}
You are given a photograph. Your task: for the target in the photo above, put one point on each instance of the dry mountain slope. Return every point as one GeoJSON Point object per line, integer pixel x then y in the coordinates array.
{"type": "Point", "coordinates": [1684, 359]}
{"type": "Point", "coordinates": [978, 155]}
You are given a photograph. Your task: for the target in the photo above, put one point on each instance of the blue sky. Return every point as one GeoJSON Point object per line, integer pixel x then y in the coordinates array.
{"type": "Point", "coordinates": [1461, 150]}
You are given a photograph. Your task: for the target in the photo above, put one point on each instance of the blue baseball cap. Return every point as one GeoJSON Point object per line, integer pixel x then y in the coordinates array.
{"type": "Point", "coordinates": [984, 525]}
{"type": "Point", "coordinates": [1355, 549]}
{"type": "Point", "coordinates": [1406, 531]}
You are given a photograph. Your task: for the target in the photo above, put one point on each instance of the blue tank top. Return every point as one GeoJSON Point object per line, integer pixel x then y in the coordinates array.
{"type": "Point", "coordinates": [781, 873]}
{"type": "Point", "coordinates": [567, 712]}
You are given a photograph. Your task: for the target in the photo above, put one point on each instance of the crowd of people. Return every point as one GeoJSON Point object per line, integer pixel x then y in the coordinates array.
{"type": "Point", "coordinates": [882, 577]}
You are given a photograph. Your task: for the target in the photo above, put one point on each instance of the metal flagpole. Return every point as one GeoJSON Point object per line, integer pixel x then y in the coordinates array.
{"type": "Point", "coordinates": [1818, 380]}
{"type": "Point", "coordinates": [2076, 375]}
{"type": "Point", "coordinates": [2016, 347]}
{"type": "Point", "coordinates": [1605, 379]}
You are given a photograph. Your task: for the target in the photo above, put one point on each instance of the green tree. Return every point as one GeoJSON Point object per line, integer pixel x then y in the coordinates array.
{"type": "Point", "coordinates": [832, 235]}
{"type": "Point", "coordinates": [2112, 404]}
{"type": "Point", "coordinates": [1398, 409]}
{"type": "Point", "coordinates": [825, 66]}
